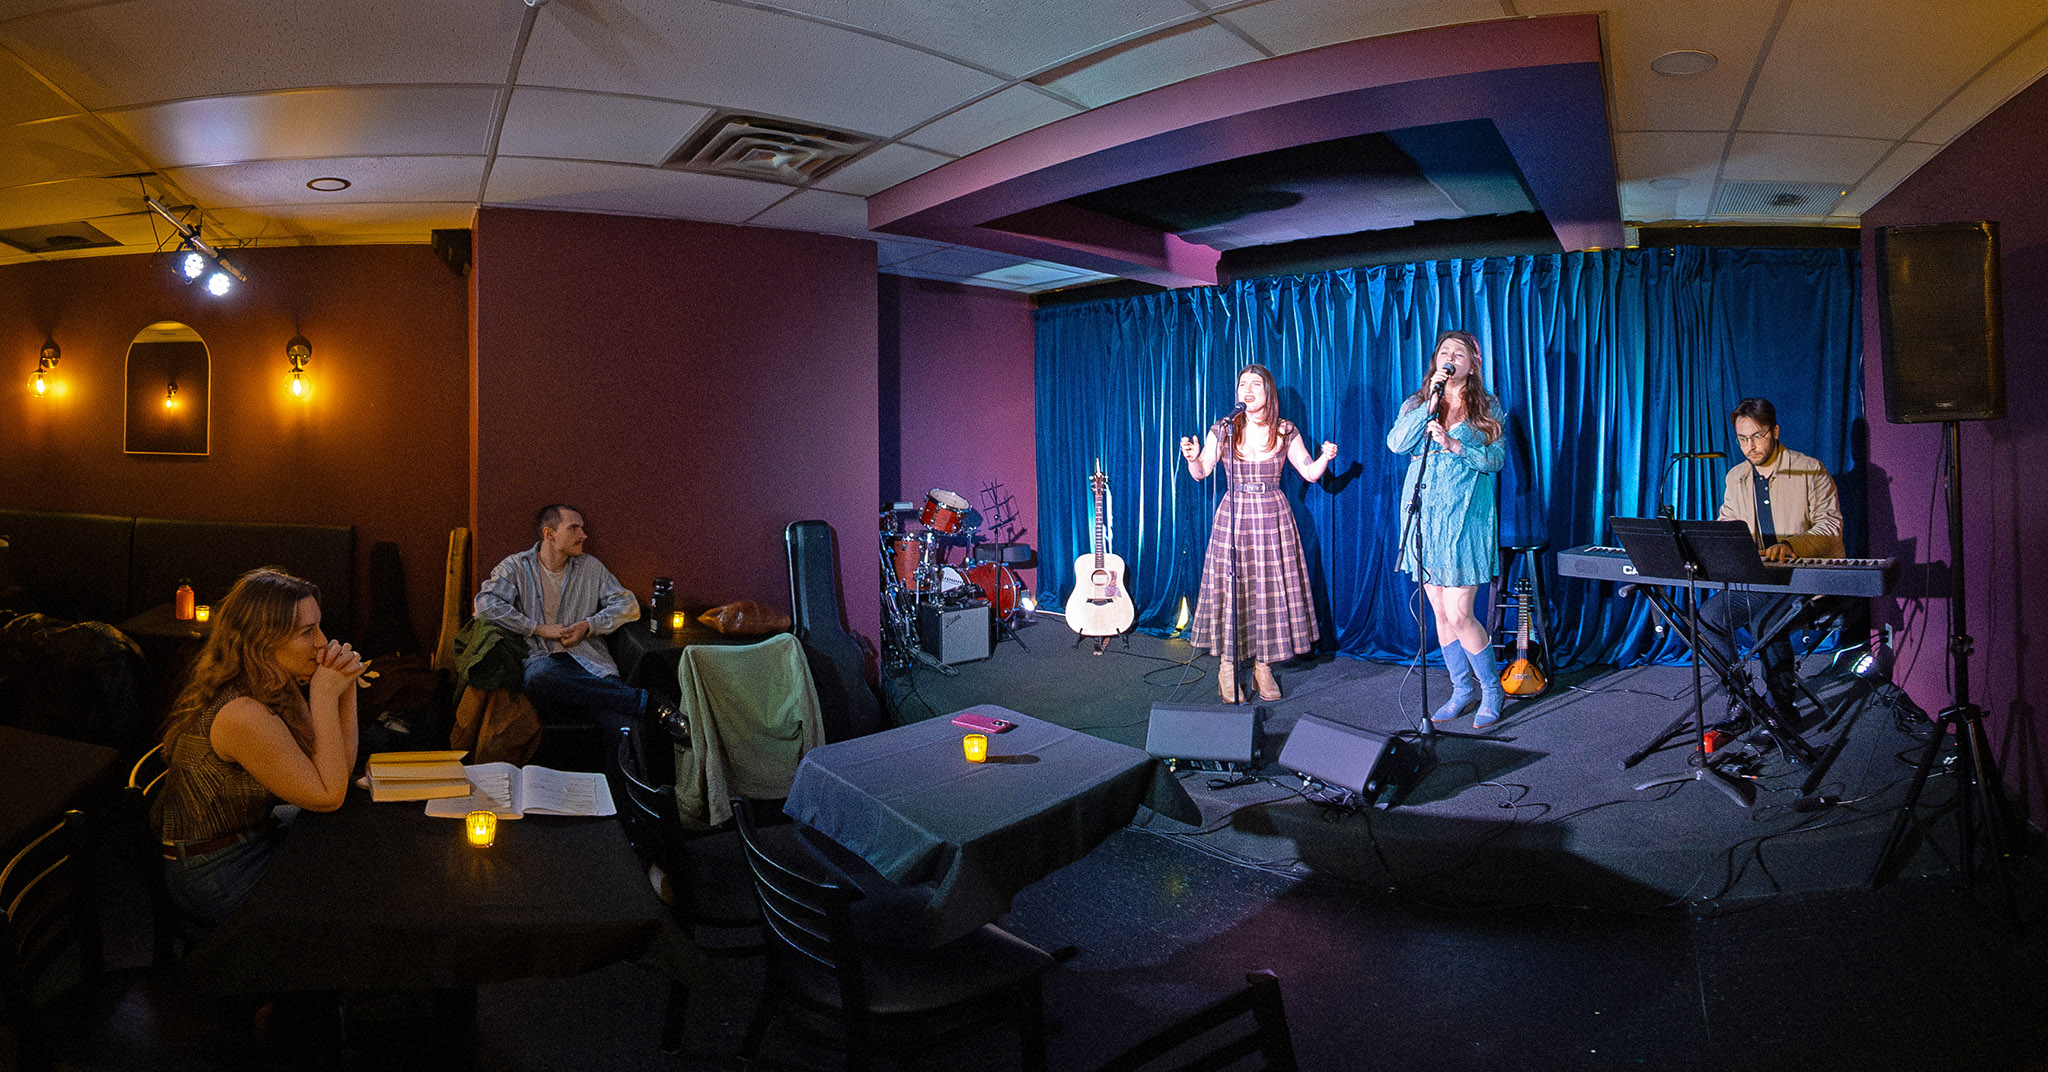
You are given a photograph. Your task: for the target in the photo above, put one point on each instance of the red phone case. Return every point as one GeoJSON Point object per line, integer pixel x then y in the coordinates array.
{"type": "Point", "coordinates": [981, 723]}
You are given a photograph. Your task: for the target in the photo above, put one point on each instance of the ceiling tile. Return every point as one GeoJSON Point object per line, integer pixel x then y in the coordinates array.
{"type": "Point", "coordinates": [817, 210]}
{"type": "Point", "coordinates": [520, 182]}
{"type": "Point", "coordinates": [1801, 158]}
{"type": "Point", "coordinates": [102, 202]}
{"type": "Point", "coordinates": [1197, 50]}
{"type": "Point", "coordinates": [152, 50]}
{"type": "Point", "coordinates": [373, 180]}
{"type": "Point", "coordinates": [59, 149]}
{"type": "Point", "coordinates": [24, 98]}
{"type": "Point", "coordinates": [746, 59]}
{"type": "Point", "coordinates": [359, 224]}
{"type": "Point", "coordinates": [1643, 159]}
{"type": "Point", "coordinates": [881, 169]}
{"type": "Point", "coordinates": [1016, 39]}
{"type": "Point", "coordinates": [314, 123]}
{"type": "Point", "coordinates": [1638, 31]}
{"type": "Point", "coordinates": [596, 126]}
{"type": "Point", "coordinates": [1284, 26]}
{"type": "Point", "coordinates": [1905, 159]}
{"type": "Point", "coordinates": [1984, 94]}
{"type": "Point", "coordinates": [1847, 75]}
{"type": "Point", "coordinates": [991, 119]}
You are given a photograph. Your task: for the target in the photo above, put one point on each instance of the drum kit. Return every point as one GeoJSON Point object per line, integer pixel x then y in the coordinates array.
{"type": "Point", "coordinates": [916, 571]}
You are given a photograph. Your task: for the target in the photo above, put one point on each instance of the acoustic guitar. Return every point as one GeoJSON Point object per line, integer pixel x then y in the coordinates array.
{"type": "Point", "coordinates": [1524, 676]}
{"type": "Point", "coordinates": [1100, 606]}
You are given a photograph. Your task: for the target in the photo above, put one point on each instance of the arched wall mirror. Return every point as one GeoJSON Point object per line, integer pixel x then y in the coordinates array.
{"type": "Point", "coordinates": [168, 380]}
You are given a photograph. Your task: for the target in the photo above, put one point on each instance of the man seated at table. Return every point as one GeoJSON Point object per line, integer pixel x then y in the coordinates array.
{"type": "Point", "coordinates": [563, 600]}
{"type": "Point", "coordinates": [1788, 501]}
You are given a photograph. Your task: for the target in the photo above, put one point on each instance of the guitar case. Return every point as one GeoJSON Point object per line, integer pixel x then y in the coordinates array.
{"type": "Point", "coordinates": [837, 659]}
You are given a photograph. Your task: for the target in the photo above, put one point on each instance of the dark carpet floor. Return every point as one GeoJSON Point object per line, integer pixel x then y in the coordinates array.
{"type": "Point", "coordinates": [1524, 905]}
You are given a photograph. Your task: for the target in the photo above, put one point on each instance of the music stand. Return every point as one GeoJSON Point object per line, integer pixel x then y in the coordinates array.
{"type": "Point", "coordinates": [1660, 547]}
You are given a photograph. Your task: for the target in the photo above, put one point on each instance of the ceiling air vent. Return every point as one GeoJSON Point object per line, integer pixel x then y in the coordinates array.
{"type": "Point", "coordinates": [756, 147]}
{"type": "Point", "coordinates": [57, 238]}
{"type": "Point", "coordinates": [1777, 198]}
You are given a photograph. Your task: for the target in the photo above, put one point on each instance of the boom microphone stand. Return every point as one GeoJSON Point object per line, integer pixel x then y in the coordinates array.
{"type": "Point", "coordinates": [1980, 796]}
{"type": "Point", "coordinates": [1411, 540]}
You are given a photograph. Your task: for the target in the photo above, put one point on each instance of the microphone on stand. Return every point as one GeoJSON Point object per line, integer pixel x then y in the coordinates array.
{"type": "Point", "coordinates": [1448, 369]}
{"type": "Point", "coordinates": [1699, 454]}
{"type": "Point", "coordinates": [1234, 411]}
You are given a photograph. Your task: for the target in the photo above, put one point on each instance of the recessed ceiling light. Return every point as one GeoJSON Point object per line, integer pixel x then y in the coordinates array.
{"type": "Point", "coordinates": [1672, 183]}
{"type": "Point", "coordinates": [1684, 61]}
{"type": "Point", "coordinates": [329, 184]}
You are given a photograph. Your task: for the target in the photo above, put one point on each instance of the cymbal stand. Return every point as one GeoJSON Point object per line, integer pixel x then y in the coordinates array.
{"type": "Point", "coordinates": [1980, 804]}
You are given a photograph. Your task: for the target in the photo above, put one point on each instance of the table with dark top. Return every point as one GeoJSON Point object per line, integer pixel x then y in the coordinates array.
{"type": "Point", "coordinates": [649, 660]}
{"type": "Point", "coordinates": [41, 776]}
{"type": "Point", "coordinates": [908, 803]}
{"type": "Point", "coordinates": [382, 896]}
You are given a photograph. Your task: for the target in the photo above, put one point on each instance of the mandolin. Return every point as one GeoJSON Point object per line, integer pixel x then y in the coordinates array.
{"type": "Point", "coordinates": [1100, 606]}
{"type": "Point", "coordinates": [1524, 676]}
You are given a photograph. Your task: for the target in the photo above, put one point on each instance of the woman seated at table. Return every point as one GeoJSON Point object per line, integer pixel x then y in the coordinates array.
{"type": "Point", "coordinates": [265, 725]}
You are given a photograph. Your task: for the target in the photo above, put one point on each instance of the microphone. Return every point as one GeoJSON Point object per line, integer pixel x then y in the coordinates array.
{"type": "Point", "coordinates": [1234, 411]}
{"type": "Point", "coordinates": [1699, 454]}
{"type": "Point", "coordinates": [1448, 369]}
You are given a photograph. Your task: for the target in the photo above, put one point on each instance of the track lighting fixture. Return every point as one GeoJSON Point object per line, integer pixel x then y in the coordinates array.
{"type": "Point", "coordinates": [298, 351]}
{"type": "Point", "coordinates": [45, 361]}
{"type": "Point", "coordinates": [197, 259]}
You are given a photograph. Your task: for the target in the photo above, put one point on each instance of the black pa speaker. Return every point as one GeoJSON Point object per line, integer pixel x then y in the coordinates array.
{"type": "Point", "coordinates": [959, 635]}
{"type": "Point", "coordinates": [1941, 322]}
{"type": "Point", "coordinates": [1358, 760]}
{"type": "Point", "coordinates": [1221, 733]}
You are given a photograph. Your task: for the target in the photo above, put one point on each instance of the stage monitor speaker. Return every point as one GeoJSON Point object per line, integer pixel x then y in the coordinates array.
{"type": "Point", "coordinates": [1223, 733]}
{"type": "Point", "coordinates": [1941, 323]}
{"type": "Point", "coordinates": [956, 635]}
{"type": "Point", "coordinates": [1359, 760]}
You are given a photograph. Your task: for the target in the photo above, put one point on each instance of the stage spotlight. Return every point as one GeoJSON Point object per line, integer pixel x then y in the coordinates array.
{"type": "Point", "coordinates": [219, 283]}
{"type": "Point", "coordinates": [199, 258]}
{"type": "Point", "coordinates": [192, 265]}
{"type": "Point", "coordinates": [1875, 664]}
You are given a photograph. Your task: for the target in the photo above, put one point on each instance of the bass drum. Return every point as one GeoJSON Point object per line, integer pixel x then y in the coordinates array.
{"type": "Point", "coordinates": [999, 584]}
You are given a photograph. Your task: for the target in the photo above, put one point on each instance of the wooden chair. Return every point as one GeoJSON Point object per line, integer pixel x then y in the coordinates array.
{"type": "Point", "coordinates": [137, 845]}
{"type": "Point", "coordinates": [1217, 1037]}
{"type": "Point", "coordinates": [710, 891]}
{"type": "Point", "coordinates": [47, 909]}
{"type": "Point", "coordinates": [882, 998]}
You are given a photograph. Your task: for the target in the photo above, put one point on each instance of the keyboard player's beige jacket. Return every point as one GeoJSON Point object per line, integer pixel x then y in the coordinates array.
{"type": "Point", "coordinates": [1803, 503]}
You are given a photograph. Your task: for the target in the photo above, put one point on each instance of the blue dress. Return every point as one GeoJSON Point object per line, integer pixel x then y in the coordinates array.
{"type": "Point", "coordinates": [1458, 534]}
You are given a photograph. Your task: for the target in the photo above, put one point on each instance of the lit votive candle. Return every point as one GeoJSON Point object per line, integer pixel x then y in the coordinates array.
{"type": "Point", "coordinates": [678, 621]}
{"type": "Point", "coordinates": [976, 747]}
{"type": "Point", "coordinates": [482, 827]}
{"type": "Point", "coordinates": [202, 613]}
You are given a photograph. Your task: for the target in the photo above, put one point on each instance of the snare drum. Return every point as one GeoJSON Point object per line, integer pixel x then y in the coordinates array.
{"type": "Point", "coordinates": [943, 510]}
{"type": "Point", "coordinates": [999, 584]}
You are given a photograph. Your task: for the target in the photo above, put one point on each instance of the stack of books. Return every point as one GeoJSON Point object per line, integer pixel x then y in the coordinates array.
{"type": "Point", "coordinates": [417, 775]}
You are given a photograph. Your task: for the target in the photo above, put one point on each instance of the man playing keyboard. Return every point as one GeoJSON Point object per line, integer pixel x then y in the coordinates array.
{"type": "Point", "coordinates": [1788, 501]}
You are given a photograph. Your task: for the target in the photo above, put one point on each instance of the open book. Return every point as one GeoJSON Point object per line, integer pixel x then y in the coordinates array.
{"type": "Point", "coordinates": [416, 775]}
{"type": "Point", "coordinates": [515, 791]}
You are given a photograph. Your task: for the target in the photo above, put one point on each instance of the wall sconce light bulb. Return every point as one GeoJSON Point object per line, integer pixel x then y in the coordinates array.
{"type": "Point", "coordinates": [300, 388]}
{"type": "Point", "coordinates": [171, 395]}
{"type": "Point", "coordinates": [41, 386]}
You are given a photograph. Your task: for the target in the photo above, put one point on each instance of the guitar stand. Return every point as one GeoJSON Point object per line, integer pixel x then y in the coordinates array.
{"type": "Point", "coordinates": [1102, 641]}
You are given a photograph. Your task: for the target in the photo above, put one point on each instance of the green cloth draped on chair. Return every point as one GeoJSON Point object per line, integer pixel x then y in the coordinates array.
{"type": "Point", "coordinates": [753, 712]}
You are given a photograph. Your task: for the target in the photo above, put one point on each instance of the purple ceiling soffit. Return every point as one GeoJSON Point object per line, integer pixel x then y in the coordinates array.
{"type": "Point", "coordinates": [1548, 102]}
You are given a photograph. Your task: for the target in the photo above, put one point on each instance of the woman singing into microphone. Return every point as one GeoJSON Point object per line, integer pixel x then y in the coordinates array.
{"type": "Point", "coordinates": [1254, 579]}
{"type": "Point", "coordinates": [1450, 545]}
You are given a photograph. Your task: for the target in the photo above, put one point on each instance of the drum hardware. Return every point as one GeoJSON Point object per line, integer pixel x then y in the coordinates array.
{"type": "Point", "coordinates": [916, 574]}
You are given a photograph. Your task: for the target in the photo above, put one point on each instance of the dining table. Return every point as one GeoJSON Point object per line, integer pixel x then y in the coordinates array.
{"type": "Point", "coordinates": [42, 776]}
{"type": "Point", "coordinates": [383, 896]}
{"type": "Point", "coordinates": [962, 838]}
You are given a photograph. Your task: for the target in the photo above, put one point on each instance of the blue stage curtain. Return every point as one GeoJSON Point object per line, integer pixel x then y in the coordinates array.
{"type": "Point", "coordinates": [1606, 363]}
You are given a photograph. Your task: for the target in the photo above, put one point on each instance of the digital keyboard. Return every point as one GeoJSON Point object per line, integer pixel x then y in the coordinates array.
{"type": "Point", "coordinates": [1803, 577]}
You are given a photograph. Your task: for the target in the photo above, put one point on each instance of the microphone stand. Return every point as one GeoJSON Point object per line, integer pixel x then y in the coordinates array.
{"type": "Point", "coordinates": [1412, 532]}
{"type": "Point", "coordinates": [1226, 449]}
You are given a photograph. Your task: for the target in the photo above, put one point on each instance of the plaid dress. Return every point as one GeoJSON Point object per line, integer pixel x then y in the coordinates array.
{"type": "Point", "coordinates": [1255, 601]}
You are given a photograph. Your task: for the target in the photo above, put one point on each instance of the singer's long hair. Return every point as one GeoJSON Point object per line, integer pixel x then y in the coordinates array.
{"type": "Point", "coordinates": [1272, 414]}
{"type": "Point", "coordinates": [1478, 404]}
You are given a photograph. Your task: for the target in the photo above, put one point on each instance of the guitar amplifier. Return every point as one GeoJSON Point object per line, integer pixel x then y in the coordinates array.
{"type": "Point", "coordinates": [956, 634]}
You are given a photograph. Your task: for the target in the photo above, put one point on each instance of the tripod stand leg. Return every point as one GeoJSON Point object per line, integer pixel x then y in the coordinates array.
{"type": "Point", "coordinates": [1897, 836]}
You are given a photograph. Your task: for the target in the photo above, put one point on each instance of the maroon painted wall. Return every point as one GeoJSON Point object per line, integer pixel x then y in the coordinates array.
{"type": "Point", "coordinates": [1993, 172]}
{"type": "Point", "coordinates": [957, 399]}
{"type": "Point", "coordinates": [693, 387]}
{"type": "Point", "coordinates": [379, 444]}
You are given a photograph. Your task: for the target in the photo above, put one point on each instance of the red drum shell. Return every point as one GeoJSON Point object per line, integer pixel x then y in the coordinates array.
{"type": "Point", "coordinates": [943, 511]}
{"type": "Point", "coordinates": [999, 584]}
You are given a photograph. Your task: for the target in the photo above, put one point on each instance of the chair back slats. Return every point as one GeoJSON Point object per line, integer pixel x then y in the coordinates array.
{"type": "Point", "coordinates": [47, 908]}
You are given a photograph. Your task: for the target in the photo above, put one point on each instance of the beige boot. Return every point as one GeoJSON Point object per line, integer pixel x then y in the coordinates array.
{"type": "Point", "coordinates": [1262, 675]}
{"type": "Point", "coordinates": [1226, 682]}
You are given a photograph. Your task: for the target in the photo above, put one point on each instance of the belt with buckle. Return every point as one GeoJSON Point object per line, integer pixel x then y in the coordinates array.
{"type": "Point", "coordinates": [185, 850]}
{"type": "Point", "coordinates": [1253, 487]}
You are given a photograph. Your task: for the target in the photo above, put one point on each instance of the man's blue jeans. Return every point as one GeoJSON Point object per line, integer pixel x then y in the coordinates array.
{"type": "Point", "coordinates": [562, 688]}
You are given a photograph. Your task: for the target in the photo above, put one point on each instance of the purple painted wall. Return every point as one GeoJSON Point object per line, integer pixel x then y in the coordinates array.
{"type": "Point", "coordinates": [956, 388]}
{"type": "Point", "coordinates": [1993, 172]}
{"type": "Point", "coordinates": [694, 387]}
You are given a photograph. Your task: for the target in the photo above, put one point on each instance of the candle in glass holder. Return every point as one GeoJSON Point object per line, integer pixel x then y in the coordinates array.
{"type": "Point", "coordinates": [678, 621]}
{"type": "Point", "coordinates": [482, 827]}
{"type": "Point", "coordinates": [202, 613]}
{"type": "Point", "coordinates": [976, 747]}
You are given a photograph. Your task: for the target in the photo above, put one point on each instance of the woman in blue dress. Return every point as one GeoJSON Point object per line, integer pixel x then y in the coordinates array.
{"type": "Point", "coordinates": [1451, 546]}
